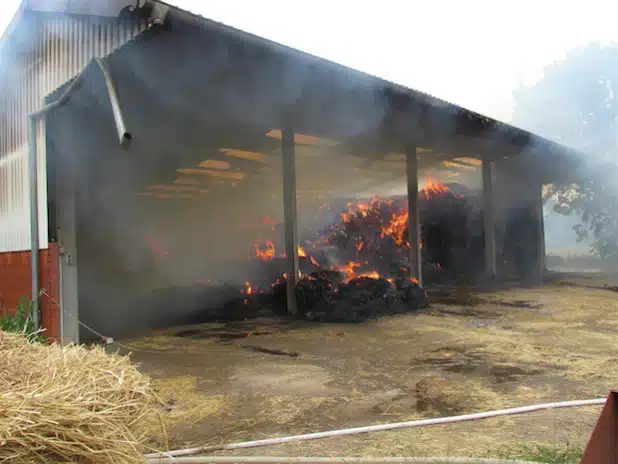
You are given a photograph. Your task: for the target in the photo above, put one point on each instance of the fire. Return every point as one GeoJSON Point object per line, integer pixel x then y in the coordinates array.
{"type": "Point", "coordinates": [434, 188]}
{"type": "Point", "coordinates": [267, 252]}
{"type": "Point", "coordinates": [303, 254]}
{"type": "Point", "coordinates": [248, 289]}
{"type": "Point", "coordinates": [348, 269]}
{"type": "Point", "coordinates": [398, 224]}
{"type": "Point", "coordinates": [363, 209]}
{"type": "Point", "coordinates": [396, 228]}
{"type": "Point", "coordinates": [371, 274]}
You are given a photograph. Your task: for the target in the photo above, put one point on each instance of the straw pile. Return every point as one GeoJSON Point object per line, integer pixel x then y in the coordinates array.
{"type": "Point", "coordinates": [70, 404]}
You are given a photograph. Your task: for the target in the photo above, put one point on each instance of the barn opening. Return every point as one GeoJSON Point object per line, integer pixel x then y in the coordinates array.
{"type": "Point", "coordinates": [253, 171]}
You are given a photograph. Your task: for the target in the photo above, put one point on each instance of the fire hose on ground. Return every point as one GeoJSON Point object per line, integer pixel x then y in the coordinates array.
{"type": "Point", "coordinates": [340, 460]}
{"type": "Point", "coordinates": [172, 456]}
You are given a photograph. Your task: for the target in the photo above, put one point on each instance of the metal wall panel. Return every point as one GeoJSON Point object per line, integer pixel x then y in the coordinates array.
{"type": "Point", "coordinates": [64, 45]}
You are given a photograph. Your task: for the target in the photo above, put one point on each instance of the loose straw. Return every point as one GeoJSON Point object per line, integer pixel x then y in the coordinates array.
{"type": "Point", "coordinates": [378, 428]}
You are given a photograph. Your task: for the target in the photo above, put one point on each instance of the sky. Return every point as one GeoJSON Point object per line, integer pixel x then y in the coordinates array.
{"type": "Point", "coordinates": [472, 53]}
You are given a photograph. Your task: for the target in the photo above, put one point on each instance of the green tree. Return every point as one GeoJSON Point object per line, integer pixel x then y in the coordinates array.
{"type": "Point", "coordinates": [575, 104]}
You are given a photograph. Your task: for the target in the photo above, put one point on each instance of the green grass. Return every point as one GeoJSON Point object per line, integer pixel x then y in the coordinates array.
{"type": "Point", "coordinates": [547, 455]}
{"type": "Point", "coordinates": [21, 322]}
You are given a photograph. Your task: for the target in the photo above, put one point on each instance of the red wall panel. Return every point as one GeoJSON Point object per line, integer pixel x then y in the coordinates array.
{"type": "Point", "coordinates": [16, 283]}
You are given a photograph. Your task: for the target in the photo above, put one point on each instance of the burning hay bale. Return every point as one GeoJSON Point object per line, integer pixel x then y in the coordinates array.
{"type": "Point", "coordinates": [357, 267]}
{"type": "Point", "coordinates": [376, 232]}
{"type": "Point", "coordinates": [329, 296]}
{"type": "Point", "coordinates": [71, 404]}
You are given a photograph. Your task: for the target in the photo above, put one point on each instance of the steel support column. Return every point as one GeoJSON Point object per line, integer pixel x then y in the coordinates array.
{"type": "Point", "coordinates": [67, 241]}
{"type": "Point", "coordinates": [290, 215]}
{"type": "Point", "coordinates": [414, 227]}
{"type": "Point", "coordinates": [489, 220]}
{"type": "Point", "coordinates": [541, 253]}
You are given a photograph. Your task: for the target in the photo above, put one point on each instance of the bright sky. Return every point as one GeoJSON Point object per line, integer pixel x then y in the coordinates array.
{"type": "Point", "coordinates": [472, 53]}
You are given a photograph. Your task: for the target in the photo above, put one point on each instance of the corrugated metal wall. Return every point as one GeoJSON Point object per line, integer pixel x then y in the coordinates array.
{"type": "Point", "coordinates": [63, 46]}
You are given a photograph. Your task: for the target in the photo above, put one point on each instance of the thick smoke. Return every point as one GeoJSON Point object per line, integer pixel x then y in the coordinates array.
{"type": "Point", "coordinates": [130, 246]}
{"type": "Point", "coordinates": [574, 104]}
{"type": "Point", "coordinates": [187, 94]}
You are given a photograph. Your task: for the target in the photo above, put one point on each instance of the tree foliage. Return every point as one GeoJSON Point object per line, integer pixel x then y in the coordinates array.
{"type": "Point", "coordinates": [575, 104]}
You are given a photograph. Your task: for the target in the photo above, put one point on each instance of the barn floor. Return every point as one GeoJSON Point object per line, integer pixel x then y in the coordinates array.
{"type": "Point", "coordinates": [265, 378]}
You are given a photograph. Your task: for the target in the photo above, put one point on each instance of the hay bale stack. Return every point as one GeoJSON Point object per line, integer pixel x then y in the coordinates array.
{"type": "Point", "coordinates": [71, 404]}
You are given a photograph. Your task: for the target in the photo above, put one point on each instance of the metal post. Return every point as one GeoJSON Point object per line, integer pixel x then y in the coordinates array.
{"type": "Point", "coordinates": [541, 232]}
{"type": "Point", "coordinates": [489, 219]}
{"type": "Point", "coordinates": [414, 229]}
{"type": "Point", "coordinates": [290, 208]}
{"type": "Point", "coordinates": [34, 219]}
{"type": "Point", "coordinates": [67, 242]}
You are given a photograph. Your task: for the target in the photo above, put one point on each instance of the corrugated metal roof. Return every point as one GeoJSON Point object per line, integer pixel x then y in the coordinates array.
{"type": "Point", "coordinates": [222, 78]}
{"type": "Point", "coordinates": [511, 134]}
{"type": "Point", "coordinates": [106, 7]}
{"type": "Point", "coordinates": [470, 122]}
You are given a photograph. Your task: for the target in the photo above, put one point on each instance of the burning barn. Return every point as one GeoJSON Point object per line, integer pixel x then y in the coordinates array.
{"type": "Point", "coordinates": [187, 170]}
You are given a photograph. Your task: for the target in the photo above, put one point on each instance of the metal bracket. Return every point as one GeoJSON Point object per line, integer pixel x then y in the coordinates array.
{"type": "Point", "coordinates": [66, 257]}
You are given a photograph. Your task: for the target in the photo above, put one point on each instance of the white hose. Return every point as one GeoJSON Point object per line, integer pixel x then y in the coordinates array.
{"type": "Point", "coordinates": [377, 428]}
{"type": "Point", "coordinates": [341, 460]}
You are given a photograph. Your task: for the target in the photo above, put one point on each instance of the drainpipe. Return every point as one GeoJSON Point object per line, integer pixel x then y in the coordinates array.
{"type": "Point", "coordinates": [124, 138]}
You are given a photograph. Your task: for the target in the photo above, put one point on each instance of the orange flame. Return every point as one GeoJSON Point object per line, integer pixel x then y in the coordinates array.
{"type": "Point", "coordinates": [362, 209]}
{"type": "Point", "coordinates": [434, 188]}
{"type": "Point", "coordinates": [350, 271]}
{"type": "Point", "coordinates": [267, 253]}
{"type": "Point", "coordinates": [397, 227]}
{"type": "Point", "coordinates": [371, 274]}
{"type": "Point", "coordinates": [248, 289]}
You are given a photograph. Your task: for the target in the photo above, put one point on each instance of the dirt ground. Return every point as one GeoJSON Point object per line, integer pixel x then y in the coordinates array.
{"type": "Point", "coordinates": [466, 353]}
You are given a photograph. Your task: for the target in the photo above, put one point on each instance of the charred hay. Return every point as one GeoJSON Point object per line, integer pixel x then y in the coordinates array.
{"type": "Point", "coordinates": [327, 296]}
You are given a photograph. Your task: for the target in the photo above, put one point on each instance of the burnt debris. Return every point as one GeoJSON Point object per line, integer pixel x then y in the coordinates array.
{"type": "Point", "coordinates": [357, 267]}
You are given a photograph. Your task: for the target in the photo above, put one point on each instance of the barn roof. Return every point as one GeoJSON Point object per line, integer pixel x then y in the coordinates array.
{"type": "Point", "coordinates": [329, 100]}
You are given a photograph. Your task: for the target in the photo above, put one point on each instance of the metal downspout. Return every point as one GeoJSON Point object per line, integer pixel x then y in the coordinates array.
{"type": "Point", "coordinates": [124, 139]}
